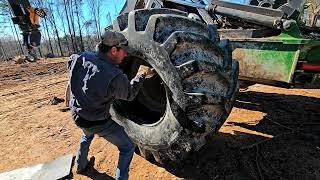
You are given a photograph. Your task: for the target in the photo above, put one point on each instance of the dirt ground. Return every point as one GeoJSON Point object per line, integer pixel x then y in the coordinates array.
{"type": "Point", "coordinates": [272, 133]}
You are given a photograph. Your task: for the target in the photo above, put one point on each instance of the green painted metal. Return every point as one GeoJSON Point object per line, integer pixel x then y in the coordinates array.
{"type": "Point", "coordinates": [274, 58]}
{"type": "Point", "coordinates": [313, 55]}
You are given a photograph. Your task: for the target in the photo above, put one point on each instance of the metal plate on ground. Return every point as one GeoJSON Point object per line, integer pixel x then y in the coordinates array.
{"type": "Point", "coordinates": [54, 169]}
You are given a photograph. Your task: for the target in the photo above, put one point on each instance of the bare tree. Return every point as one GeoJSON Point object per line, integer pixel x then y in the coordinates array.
{"type": "Point", "coordinates": [72, 22]}
{"type": "Point", "coordinates": [91, 39]}
{"type": "Point", "coordinates": [94, 6]}
{"type": "Point", "coordinates": [8, 25]}
{"type": "Point", "coordinates": [14, 31]}
{"type": "Point", "coordinates": [61, 17]}
{"type": "Point", "coordinates": [77, 4]}
{"type": "Point", "coordinates": [66, 29]}
{"type": "Point", "coordinates": [66, 4]}
{"type": "Point", "coordinates": [3, 52]}
{"type": "Point", "coordinates": [44, 4]}
{"type": "Point", "coordinates": [54, 25]}
{"type": "Point", "coordinates": [47, 30]}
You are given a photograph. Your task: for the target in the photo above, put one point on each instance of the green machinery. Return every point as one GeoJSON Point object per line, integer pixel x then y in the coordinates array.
{"type": "Point", "coordinates": [276, 42]}
{"type": "Point", "coordinates": [285, 59]}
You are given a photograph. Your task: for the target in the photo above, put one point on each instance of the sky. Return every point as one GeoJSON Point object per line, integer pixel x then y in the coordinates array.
{"type": "Point", "coordinates": [111, 6]}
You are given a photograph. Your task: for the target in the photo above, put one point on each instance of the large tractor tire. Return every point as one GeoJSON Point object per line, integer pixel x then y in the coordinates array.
{"type": "Point", "coordinates": [193, 92]}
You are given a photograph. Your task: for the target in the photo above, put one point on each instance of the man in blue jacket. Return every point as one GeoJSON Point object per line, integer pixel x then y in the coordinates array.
{"type": "Point", "coordinates": [95, 81]}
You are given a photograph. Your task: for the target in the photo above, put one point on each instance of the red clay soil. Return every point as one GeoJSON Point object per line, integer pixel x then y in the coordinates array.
{"type": "Point", "coordinates": [272, 133]}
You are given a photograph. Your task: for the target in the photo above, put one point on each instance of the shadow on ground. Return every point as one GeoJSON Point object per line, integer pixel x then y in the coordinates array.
{"type": "Point", "coordinates": [89, 172]}
{"type": "Point", "coordinates": [292, 153]}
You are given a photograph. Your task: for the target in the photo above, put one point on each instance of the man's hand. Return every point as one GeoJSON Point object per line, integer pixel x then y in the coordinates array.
{"type": "Point", "coordinates": [146, 71]}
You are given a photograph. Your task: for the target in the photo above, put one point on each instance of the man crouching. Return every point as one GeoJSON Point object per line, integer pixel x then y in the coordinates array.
{"type": "Point", "coordinates": [95, 81]}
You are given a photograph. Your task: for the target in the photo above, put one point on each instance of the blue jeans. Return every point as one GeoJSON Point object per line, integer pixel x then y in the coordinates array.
{"type": "Point", "coordinates": [113, 133]}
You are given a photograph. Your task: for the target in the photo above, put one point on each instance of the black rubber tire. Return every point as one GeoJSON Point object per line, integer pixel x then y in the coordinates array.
{"type": "Point", "coordinates": [274, 4]}
{"type": "Point", "coordinates": [198, 74]}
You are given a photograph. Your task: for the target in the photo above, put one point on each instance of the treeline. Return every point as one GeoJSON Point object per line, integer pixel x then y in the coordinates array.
{"type": "Point", "coordinates": [70, 26]}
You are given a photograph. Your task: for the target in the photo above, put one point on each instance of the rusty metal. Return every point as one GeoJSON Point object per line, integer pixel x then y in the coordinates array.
{"type": "Point", "coordinates": [262, 61]}
{"type": "Point", "coordinates": [271, 59]}
{"type": "Point", "coordinates": [310, 67]}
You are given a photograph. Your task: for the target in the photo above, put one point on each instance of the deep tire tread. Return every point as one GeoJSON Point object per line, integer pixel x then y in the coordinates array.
{"type": "Point", "coordinates": [207, 77]}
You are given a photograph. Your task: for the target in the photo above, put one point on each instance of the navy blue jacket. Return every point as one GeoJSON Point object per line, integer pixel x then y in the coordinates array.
{"type": "Point", "coordinates": [95, 83]}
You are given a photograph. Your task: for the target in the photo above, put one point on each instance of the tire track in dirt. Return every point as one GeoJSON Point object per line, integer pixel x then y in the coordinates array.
{"type": "Point", "coordinates": [26, 96]}
{"type": "Point", "coordinates": [26, 113]}
{"type": "Point", "coordinates": [13, 74]}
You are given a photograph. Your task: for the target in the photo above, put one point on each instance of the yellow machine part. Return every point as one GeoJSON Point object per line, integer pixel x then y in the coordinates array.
{"type": "Point", "coordinates": [34, 18]}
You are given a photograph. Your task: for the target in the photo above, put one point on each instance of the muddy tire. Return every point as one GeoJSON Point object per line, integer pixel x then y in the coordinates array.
{"type": "Point", "coordinates": [195, 88]}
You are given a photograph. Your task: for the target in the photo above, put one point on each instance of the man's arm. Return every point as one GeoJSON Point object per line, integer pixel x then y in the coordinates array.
{"type": "Point", "coordinates": [124, 89]}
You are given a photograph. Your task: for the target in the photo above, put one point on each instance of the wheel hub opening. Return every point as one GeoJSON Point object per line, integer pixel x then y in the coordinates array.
{"type": "Point", "coordinates": [150, 103]}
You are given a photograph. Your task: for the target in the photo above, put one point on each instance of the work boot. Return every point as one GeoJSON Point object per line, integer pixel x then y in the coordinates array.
{"type": "Point", "coordinates": [89, 164]}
